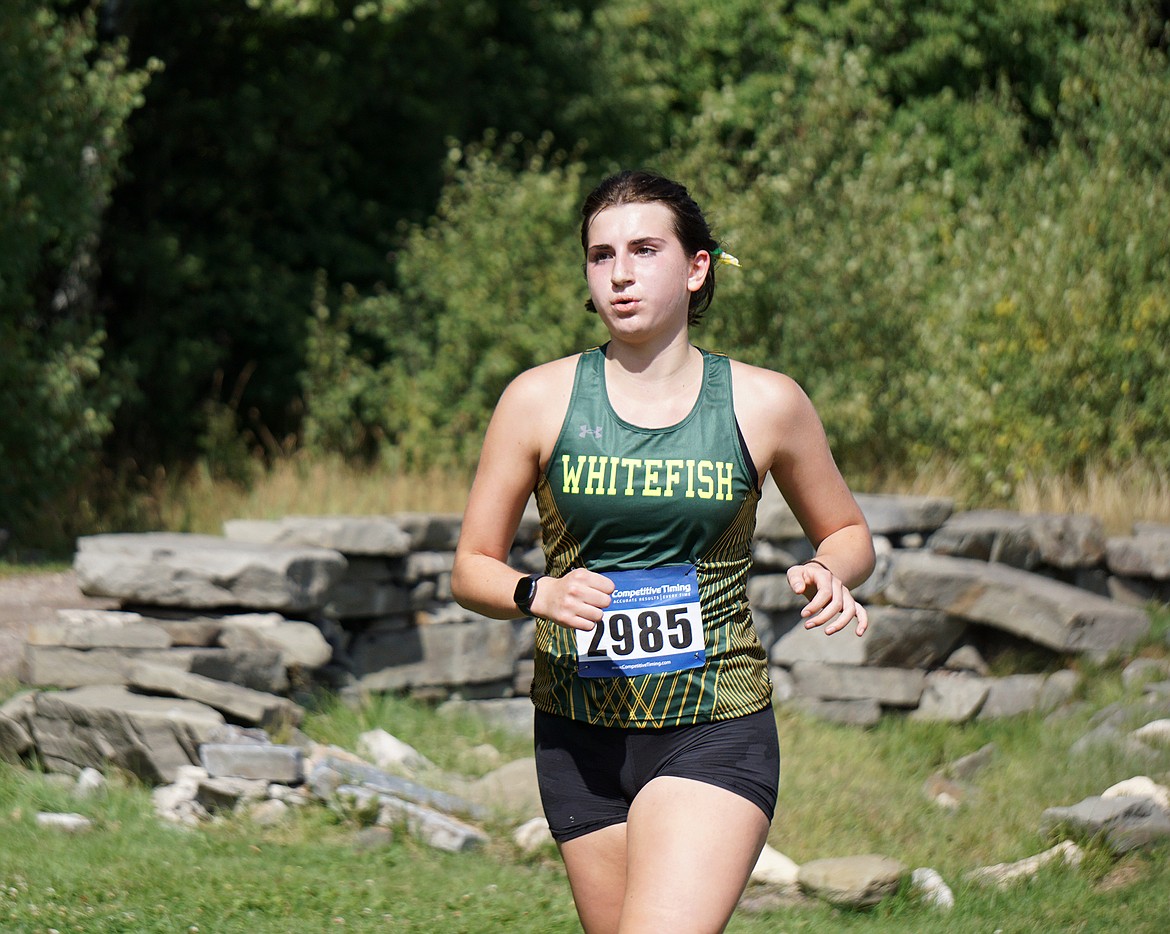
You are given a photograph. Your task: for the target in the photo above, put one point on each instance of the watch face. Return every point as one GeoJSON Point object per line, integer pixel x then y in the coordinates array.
{"type": "Point", "coordinates": [525, 591]}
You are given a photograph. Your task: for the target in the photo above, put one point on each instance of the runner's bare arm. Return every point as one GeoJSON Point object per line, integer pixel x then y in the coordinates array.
{"type": "Point", "coordinates": [787, 440]}
{"type": "Point", "coordinates": [517, 445]}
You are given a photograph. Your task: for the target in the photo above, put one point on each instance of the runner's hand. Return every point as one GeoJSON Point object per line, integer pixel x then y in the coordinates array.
{"type": "Point", "coordinates": [575, 600]}
{"type": "Point", "coordinates": [829, 600]}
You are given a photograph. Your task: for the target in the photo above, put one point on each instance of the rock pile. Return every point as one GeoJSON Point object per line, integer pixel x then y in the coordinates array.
{"type": "Point", "coordinates": [237, 624]}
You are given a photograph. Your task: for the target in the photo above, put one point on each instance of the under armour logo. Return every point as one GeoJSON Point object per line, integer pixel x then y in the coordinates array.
{"type": "Point", "coordinates": [586, 430]}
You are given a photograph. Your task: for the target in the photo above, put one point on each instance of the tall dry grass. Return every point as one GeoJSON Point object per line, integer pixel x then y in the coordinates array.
{"type": "Point", "coordinates": [303, 485]}
{"type": "Point", "coordinates": [1118, 497]}
{"type": "Point", "coordinates": [299, 485]}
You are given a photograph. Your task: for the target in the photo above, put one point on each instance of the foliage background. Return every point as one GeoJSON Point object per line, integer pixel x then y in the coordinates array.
{"type": "Point", "coordinates": [330, 227]}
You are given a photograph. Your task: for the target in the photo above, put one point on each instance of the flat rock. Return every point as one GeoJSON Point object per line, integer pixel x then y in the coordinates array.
{"type": "Point", "coordinates": [897, 637]}
{"type": "Point", "coordinates": [887, 514]}
{"type": "Point", "coordinates": [852, 881]}
{"type": "Point", "coordinates": [892, 687]}
{"type": "Point", "coordinates": [93, 629]}
{"type": "Point", "coordinates": [899, 514]}
{"type": "Point", "coordinates": [378, 536]}
{"type": "Point", "coordinates": [441, 654]}
{"type": "Point", "coordinates": [951, 697]}
{"type": "Point", "coordinates": [1146, 554]}
{"type": "Point", "coordinates": [237, 703]}
{"type": "Point", "coordinates": [1047, 612]}
{"type": "Point", "coordinates": [1022, 541]}
{"type": "Point", "coordinates": [263, 763]}
{"type": "Point", "coordinates": [202, 571]}
{"type": "Point", "coordinates": [15, 740]}
{"type": "Point", "coordinates": [103, 725]}
{"type": "Point", "coordinates": [1124, 823]}
{"type": "Point", "coordinates": [300, 644]}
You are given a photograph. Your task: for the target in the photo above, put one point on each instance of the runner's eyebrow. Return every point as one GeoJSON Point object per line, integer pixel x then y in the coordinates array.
{"type": "Point", "coordinates": [635, 243]}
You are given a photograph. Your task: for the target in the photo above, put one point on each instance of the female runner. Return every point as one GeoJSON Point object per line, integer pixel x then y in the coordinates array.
{"type": "Point", "coordinates": [656, 745]}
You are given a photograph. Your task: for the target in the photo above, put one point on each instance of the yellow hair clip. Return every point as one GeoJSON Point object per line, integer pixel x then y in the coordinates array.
{"type": "Point", "coordinates": [724, 258]}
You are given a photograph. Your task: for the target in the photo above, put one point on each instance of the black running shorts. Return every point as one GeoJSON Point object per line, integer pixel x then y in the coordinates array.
{"type": "Point", "coordinates": [589, 775]}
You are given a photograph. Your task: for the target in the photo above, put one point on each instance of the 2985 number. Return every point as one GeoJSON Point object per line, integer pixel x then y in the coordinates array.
{"type": "Point", "coordinates": [650, 632]}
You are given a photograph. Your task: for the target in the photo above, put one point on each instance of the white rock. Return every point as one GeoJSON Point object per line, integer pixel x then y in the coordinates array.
{"type": "Point", "coordinates": [89, 782]}
{"type": "Point", "coordinates": [389, 752]}
{"type": "Point", "coordinates": [1157, 731]}
{"type": "Point", "coordinates": [532, 835]}
{"type": "Point", "coordinates": [774, 868]}
{"type": "Point", "coordinates": [1140, 787]}
{"type": "Point", "coordinates": [933, 890]}
{"type": "Point", "coordinates": [1002, 874]}
{"type": "Point", "coordinates": [69, 823]}
{"type": "Point", "coordinates": [268, 813]}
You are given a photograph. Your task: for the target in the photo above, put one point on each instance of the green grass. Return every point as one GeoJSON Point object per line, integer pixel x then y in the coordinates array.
{"type": "Point", "coordinates": [843, 791]}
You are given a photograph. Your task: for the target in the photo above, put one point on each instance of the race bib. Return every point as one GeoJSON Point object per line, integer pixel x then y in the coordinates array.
{"type": "Point", "coordinates": [653, 625]}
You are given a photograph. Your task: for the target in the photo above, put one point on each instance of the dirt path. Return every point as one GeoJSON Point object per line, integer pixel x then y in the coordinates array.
{"type": "Point", "coordinates": [31, 598]}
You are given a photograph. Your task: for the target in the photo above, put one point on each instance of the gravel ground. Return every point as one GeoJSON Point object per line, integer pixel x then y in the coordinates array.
{"type": "Point", "coordinates": [32, 598]}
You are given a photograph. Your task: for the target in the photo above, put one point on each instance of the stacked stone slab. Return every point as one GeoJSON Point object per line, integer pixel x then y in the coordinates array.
{"type": "Point", "coordinates": [950, 590]}
{"type": "Point", "coordinates": [199, 604]}
{"type": "Point", "coordinates": [397, 626]}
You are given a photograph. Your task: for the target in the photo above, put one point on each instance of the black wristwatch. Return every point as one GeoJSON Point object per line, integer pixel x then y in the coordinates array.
{"type": "Point", "coordinates": [526, 592]}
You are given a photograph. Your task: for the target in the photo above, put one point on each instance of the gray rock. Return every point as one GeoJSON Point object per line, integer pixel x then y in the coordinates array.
{"type": "Point", "coordinates": [351, 535]}
{"type": "Point", "coordinates": [431, 532]}
{"type": "Point", "coordinates": [301, 644]}
{"type": "Point", "coordinates": [771, 592]}
{"type": "Point", "coordinates": [968, 659]}
{"type": "Point", "coordinates": [202, 571]}
{"type": "Point", "coordinates": [951, 697]}
{"type": "Point", "coordinates": [54, 666]}
{"type": "Point", "coordinates": [366, 599]}
{"type": "Point", "coordinates": [967, 767]}
{"type": "Point", "coordinates": [239, 703]}
{"type": "Point", "coordinates": [91, 629]}
{"type": "Point", "coordinates": [893, 687]}
{"type": "Point", "coordinates": [103, 725]}
{"type": "Point", "coordinates": [422, 564]}
{"type": "Point", "coordinates": [1143, 555]}
{"type": "Point", "coordinates": [1022, 541]}
{"type": "Point", "coordinates": [775, 521]}
{"type": "Point", "coordinates": [442, 654]}
{"type": "Point", "coordinates": [15, 740]}
{"type": "Point", "coordinates": [898, 514]}
{"type": "Point", "coordinates": [334, 773]}
{"type": "Point", "coordinates": [510, 789]}
{"type": "Point", "coordinates": [436, 829]}
{"type": "Point", "coordinates": [1059, 688]}
{"type": "Point", "coordinates": [269, 813]}
{"type": "Point", "coordinates": [259, 669]}
{"type": "Point", "coordinates": [866, 712]}
{"type": "Point", "coordinates": [261, 763]}
{"type": "Point", "coordinates": [227, 794]}
{"type": "Point", "coordinates": [1012, 695]}
{"type": "Point", "coordinates": [1124, 823]}
{"type": "Point", "coordinates": [852, 881]}
{"type": "Point", "coordinates": [1047, 612]}
{"type": "Point", "coordinates": [897, 637]}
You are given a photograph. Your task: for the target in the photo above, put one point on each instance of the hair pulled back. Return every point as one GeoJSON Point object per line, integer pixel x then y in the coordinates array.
{"type": "Point", "coordinates": [691, 228]}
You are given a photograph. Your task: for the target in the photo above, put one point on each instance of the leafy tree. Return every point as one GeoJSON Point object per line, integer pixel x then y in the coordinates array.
{"type": "Point", "coordinates": [287, 138]}
{"type": "Point", "coordinates": [66, 99]}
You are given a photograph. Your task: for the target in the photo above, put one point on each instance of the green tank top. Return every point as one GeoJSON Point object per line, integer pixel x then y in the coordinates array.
{"type": "Point", "coordinates": [619, 497]}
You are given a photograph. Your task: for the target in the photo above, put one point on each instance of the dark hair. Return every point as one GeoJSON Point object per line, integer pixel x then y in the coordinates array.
{"type": "Point", "coordinates": [638, 187]}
